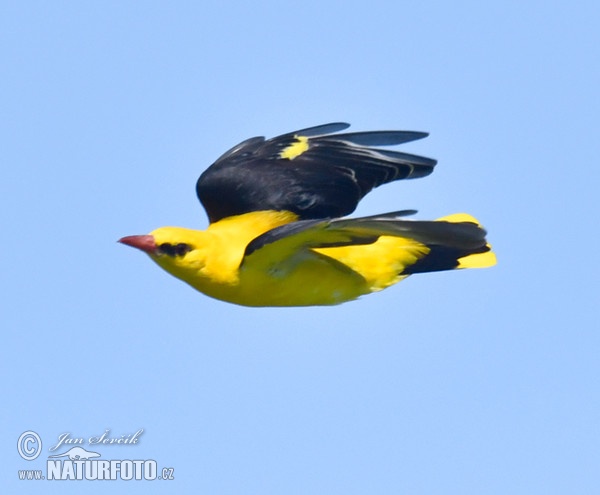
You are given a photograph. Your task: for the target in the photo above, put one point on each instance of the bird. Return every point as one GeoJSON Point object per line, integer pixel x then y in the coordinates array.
{"type": "Point", "coordinates": [279, 233]}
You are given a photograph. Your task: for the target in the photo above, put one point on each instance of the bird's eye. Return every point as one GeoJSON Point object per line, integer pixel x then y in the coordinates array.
{"type": "Point", "coordinates": [174, 249]}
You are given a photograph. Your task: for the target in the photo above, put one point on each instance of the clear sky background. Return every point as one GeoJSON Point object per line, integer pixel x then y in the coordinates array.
{"type": "Point", "coordinates": [480, 381]}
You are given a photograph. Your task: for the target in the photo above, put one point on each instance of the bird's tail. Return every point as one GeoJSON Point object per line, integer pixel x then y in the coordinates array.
{"type": "Point", "coordinates": [445, 256]}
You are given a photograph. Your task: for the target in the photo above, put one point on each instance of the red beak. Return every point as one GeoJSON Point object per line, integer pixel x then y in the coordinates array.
{"type": "Point", "coordinates": [144, 243]}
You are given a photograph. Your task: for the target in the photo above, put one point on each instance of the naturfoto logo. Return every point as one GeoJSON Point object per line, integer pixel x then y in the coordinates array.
{"type": "Point", "coordinates": [80, 463]}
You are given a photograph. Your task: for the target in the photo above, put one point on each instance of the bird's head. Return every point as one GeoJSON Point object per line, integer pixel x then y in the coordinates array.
{"type": "Point", "coordinates": [177, 250]}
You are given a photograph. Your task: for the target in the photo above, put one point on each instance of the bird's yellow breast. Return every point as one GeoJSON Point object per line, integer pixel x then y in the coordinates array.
{"type": "Point", "coordinates": [307, 278]}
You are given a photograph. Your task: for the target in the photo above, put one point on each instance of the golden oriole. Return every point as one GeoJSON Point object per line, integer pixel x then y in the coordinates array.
{"type": "Point", "coordinates": [276, 236]}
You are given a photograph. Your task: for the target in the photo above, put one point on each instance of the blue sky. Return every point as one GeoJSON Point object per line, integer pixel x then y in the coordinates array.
{"type": "Point", "coordinates": [481, 381]}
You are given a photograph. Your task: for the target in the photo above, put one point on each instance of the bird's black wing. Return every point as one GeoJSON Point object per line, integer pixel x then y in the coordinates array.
{"type": "Point", "coordinates": [366, 230]}
{"type": "Point", "coordinates": [311, 172]}
{"type": "Point", "coordinates": [447, 241]}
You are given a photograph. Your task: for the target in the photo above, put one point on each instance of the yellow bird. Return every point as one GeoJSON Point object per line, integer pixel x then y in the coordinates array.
{"type": "Point", "coordinates": [276, 236]}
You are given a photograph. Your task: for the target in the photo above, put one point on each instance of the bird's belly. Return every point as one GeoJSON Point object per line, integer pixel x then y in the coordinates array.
{"type": "Point", "coordinates": [312, 279]}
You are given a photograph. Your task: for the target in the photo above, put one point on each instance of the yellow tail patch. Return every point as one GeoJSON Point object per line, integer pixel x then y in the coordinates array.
{"type": "Point", "coordinates": [459, 217]}
{"type": "Point", "coordinates": [477, 260]}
